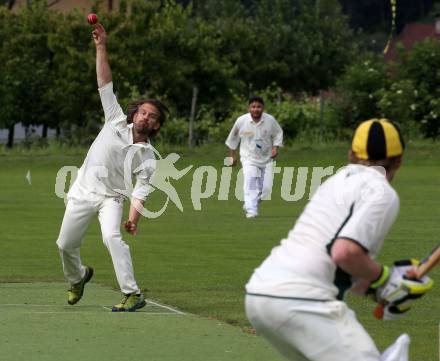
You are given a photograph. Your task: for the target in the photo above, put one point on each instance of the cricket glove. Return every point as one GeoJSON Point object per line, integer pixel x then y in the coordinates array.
{"type": "Point", "coordinates": [396, 291]}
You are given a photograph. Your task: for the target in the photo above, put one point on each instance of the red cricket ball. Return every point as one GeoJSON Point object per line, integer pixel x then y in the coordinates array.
{"type": "Point", "coordinates": [92, 19]}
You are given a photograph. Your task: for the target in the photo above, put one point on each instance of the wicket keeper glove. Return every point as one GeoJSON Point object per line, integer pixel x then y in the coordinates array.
{"type": "Point", "coordinates": [397, 291]}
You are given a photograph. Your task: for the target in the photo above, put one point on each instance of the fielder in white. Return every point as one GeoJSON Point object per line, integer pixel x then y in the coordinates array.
{"type": "Point", "coordinates": [295, 297]}
{"type": "Point", "coordinates": [259, 136]}
{"type": "Point", "coordinates": [121, 150]}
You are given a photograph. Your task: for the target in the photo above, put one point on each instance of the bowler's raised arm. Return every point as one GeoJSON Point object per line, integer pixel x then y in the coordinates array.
{"type": "Point", "coordinates": [103, 71]}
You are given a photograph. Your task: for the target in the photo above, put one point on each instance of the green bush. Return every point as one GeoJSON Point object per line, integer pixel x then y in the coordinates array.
{"type": "Point", "coordinates": [405, 91]}
{"type": "Point", "coordinates": [399, 103]}
{"type": "Point", "coordinates": [358, 91]}
{"type": "Point", "coordinates": [208, 129]}
{"type": "Point", "coordinates": [163, 49]}
{"type": "Point", "coordinates": [421, 66]}
{"type": "Point", "coordinates": [174, 132]}
{"type": "Point", "coordinates": [299, 118]}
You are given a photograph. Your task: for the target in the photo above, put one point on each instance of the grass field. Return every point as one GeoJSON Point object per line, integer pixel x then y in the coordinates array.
{"type": "Point", "coordinates": [195, 261]}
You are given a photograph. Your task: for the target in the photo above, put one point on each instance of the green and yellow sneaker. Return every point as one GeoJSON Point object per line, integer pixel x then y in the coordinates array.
{"type": "Point", "coordinates": [130, 303]}
{"type": "Point", "coordinates": [76, 291]}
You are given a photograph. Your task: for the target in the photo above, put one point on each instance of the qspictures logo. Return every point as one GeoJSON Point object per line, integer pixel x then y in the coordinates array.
{"type": "Point", "coordinates": [207, 181]}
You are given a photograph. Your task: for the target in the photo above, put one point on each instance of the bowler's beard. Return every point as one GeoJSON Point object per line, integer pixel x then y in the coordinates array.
{"type": "Point", "coordinates": [142, 129]}
{"type": "Point", "coordinates": [141, 133]}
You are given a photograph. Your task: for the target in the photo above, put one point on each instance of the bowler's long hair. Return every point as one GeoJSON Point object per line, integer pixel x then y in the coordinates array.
{"type": "Point", "coordinates": [133, 107]}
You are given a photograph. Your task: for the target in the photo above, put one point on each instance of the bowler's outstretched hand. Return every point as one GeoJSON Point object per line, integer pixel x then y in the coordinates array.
{"type": "Point", "coordinates": [130, 227]}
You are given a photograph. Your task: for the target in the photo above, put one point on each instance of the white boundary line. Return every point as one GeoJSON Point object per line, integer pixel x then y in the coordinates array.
{"type": "Point", "coordinates": [167, 307]}
{"type": "Point", "coordinates": [145, 313]}
{"type": "Point", "coordinates": [173, 310]}
{"type": "Point", "coordinates": [67, 313]}
{"type": "Point", "coordinates": [150, 302]}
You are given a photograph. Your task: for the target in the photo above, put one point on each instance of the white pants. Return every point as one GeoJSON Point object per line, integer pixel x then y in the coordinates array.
{"type": "Point", "coordinates": [75, 223]}
{"type": "Point", "coordinates": [257, 182]}
{"type": "Point", "coordinates": [317, 331]}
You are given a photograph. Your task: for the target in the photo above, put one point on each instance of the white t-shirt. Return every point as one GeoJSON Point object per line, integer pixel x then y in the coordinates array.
{"type": "Point", "coordinates": [113, 155]}
{"type": "Point", "coordinates": [256, 139]}
{"type": "Point", "coordinates": [356, 203]}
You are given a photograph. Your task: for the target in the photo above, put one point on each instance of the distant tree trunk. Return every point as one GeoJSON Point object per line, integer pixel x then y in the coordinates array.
{"type": "Point", "coordinates": [191, 117]}
{"type": "Point", "coordinates": [110, 5]}
{"type": "Point", "coordinates": [321, 115]}
{"type": "Point", "coordinates": [44, 134]}
{"type": "Point", "coordinates": [11, 4]}
{"type": "Point", "coordinates": [11, 136]}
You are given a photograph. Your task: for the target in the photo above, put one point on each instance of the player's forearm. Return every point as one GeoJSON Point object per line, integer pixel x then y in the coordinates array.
{"type": "Point", "coordinates": [351, 258]}
{"type": "Point", "coordinates": [135, 208]}
{"type": "Point", "coordinates": [103, 71]}
{"type": "Point", "coordinates": [360, 287]}
{"type": "Point", "coordinates": [233, 156]}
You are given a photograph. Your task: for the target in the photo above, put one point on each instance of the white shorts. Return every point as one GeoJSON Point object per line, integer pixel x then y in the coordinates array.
{"type": "Point", "coordinates": [311, 330]}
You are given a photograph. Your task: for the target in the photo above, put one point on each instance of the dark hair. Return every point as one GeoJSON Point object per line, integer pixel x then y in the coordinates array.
{"type": "Point", "coordinates": [256, 98]}
{"type": "Point", "coordinates": [133, 107]}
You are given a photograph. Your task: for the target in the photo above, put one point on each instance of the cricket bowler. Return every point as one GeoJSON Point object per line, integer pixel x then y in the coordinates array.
{"type": "Point", "coordinates": [99, 188]}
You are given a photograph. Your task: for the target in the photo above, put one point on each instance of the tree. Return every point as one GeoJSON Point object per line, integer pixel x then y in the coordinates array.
{"type": "Point", "coordinates": [8, 28]}
{"type": "Point", "coordinates": [26, 72]}
{"type": "Point", "coordinates": [74, 102]}
{"type": "Point", "coordinates": [420, 66]}
{"type": "Point", "coordinates": [360, 88]}
{"type": "Point", "coordinates": [303, 48]}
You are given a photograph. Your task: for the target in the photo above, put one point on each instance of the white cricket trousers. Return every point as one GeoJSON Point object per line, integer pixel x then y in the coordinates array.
{"type": "Point", "coordinates": [77, 218]}
{"type": "Point", "coordinates": [257, 184]}
{"type": "Point", "coordinates": [317, 331]}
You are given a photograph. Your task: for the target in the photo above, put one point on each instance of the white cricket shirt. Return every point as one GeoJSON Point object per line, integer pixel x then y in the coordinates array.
{"type": "Point", "coordinates": [111, 155]}
{"type": "Point", "coordinates": [356, 203]}
{"type": "Point", "coordinates": [256, 139]}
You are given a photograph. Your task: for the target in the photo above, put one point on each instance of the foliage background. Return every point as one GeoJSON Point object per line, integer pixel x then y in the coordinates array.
{"type": "Point", "coordinates": [293, 52]}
